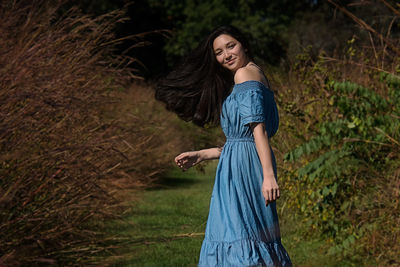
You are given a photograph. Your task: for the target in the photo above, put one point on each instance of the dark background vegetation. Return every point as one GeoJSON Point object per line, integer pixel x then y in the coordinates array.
{"type": "Point", "coordinates": [278, 30]}
{"type": "Point", "coordinates": [79, 133]}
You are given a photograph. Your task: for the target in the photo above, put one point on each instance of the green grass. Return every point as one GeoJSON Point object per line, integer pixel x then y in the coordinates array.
{"type": "Point", "coordinates": [167, 225]}
{"type": "Point", "coordinates": [304, 252]}
{"type": "Point", "coordinates": [168, 221]}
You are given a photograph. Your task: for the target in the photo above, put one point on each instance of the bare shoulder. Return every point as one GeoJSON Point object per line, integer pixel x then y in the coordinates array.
{"type": "Point", "coordinates": [247, 73]}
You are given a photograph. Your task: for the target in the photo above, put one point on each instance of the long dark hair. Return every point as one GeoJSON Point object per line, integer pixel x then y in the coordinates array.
{"type": "Point", "coordinates": [197, 87]}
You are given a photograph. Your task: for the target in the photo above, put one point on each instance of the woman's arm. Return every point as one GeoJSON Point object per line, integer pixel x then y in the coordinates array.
{"type": "Point", "coordinates": [270, 188]}
{"type": "Point", "coordinates": [188, 159]}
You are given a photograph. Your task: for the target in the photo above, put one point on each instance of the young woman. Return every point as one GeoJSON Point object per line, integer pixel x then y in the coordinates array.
{"type": "Point", "coordinates": [219, 81]}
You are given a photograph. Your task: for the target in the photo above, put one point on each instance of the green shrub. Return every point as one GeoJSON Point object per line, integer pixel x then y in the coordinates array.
{"type": "Point", "coordinates": [345, 163]}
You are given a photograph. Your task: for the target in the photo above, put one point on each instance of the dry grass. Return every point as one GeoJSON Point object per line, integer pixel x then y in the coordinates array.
{"type": "Point", "coordinates": [70, 141]}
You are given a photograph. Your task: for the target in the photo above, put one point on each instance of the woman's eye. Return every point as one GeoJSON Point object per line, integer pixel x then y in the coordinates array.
{"type": "Point", "coordinates": [231, 46]}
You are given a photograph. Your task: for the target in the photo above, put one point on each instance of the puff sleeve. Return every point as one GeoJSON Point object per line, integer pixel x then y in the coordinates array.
{"type": "Point", "coordinates": [257, 104]}
{"type": "Point", "coordinates": [251, 106]}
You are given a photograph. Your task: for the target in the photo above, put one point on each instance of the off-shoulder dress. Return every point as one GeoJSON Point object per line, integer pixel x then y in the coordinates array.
{"type": "Point", "coordinates": [241, 230]}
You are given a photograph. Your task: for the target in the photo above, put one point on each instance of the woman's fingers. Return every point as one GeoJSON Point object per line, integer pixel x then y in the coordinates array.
{"type": "Point", "coordinates": [275, 194]}
{"type": "Point", "coordinates": [181, 159]}
{"type": "Point", "coordinates": [180, 156]}
{"type": "Point", "coordinates": [271, 195]}
{"type": "Point", "coordinates": [267, 195]}
{"type": "Point", "coordinates": [186, 160]}
{"type": "Point", "coordinates": [270, 188]}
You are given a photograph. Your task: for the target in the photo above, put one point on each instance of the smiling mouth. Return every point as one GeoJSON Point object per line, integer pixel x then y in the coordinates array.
{"type": "Point", "coordinates": [230, 62]}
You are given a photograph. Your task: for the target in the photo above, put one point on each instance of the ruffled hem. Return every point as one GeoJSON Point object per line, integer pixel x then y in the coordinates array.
{"type": "Point", "coordinates": [243, 253]}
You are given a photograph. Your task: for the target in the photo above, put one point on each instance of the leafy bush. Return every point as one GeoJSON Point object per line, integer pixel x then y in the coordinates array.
{"type": "Point", "coordinates": [349, 154]}
{"type": "Point", "coordinates": [343, 178]}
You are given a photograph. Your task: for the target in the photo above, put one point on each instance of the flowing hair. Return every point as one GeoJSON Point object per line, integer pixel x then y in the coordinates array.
{"type": "Point", "coordinates": [197, 87]}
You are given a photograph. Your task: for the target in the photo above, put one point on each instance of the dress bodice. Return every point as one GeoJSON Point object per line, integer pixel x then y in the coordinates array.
{"type": "Point", "coordinates": [250, 101]}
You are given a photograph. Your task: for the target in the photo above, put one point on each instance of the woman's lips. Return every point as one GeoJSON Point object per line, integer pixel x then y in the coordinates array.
{"type": "Point", "coordinates": [230, 62]}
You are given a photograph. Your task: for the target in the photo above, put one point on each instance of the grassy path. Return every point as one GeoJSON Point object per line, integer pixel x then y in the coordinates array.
{"type": "Point", "coordinates": [168, 223]}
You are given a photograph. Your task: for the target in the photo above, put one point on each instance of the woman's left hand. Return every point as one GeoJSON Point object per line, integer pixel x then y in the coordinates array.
{"type": "Point", "coordinates": [188, 159]}
{"type": "Point", "coordinates": [270, 189]}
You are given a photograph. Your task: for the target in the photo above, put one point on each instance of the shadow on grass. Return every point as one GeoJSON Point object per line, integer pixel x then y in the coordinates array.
{"type": "Point", "coordinates": [179, 179]}
{"type": "Point", "coordinates": [173, 182]}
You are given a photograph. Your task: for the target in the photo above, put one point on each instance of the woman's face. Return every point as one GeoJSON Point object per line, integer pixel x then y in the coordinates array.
{"type": "Point", "coordinates": [229, 52]}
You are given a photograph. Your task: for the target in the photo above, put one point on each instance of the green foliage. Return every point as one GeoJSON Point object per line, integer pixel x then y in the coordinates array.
{"type": "Point", "coordinates": [341, 162]}
{"type": "Point", "coordinates": [266, 21]}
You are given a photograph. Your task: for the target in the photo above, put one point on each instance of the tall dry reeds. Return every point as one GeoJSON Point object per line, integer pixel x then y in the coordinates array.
{"type": "Point", "coordinates": [68, 147]}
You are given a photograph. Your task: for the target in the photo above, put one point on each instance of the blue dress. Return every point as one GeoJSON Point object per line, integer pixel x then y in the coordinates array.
{"type": "Point", "coordinates": [241, 230]}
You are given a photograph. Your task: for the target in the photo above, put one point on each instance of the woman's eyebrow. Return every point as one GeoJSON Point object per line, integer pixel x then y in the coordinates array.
{"type": "Point", "coordinates": [227, 44]}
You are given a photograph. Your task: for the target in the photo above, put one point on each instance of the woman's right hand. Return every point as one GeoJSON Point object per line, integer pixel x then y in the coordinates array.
{"type": "Point", "coordinates": [270, 188]}
{"type": "Point", "coordinates": [186, 160]}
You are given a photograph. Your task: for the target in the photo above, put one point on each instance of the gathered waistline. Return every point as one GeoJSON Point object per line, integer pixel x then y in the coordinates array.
{"type": "Point", "coordinates": [240, 139]}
